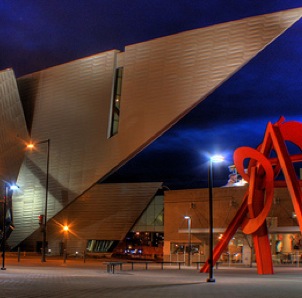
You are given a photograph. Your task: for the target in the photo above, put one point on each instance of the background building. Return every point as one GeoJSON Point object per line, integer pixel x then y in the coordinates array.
{"type": "Point", "coordinates": [283, 227]}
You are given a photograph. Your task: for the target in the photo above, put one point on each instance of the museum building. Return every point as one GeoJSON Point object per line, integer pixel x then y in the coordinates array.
{"type": "Point", "coordinates": [89, 117]}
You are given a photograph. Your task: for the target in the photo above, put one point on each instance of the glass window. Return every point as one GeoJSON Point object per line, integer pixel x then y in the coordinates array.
{"type": "Point", "coordinates": [101, 245]}
{"type": "Point", "coordinates": [180, 248]}
{"type": "Point", "coordinates": [153, 217]}
{"type": "Point", "coordinates": [117, 92]}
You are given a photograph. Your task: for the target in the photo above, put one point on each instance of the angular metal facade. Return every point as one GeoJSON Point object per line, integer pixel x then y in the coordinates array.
{"type": "Point", "coordinates": [12, 133]}
{"type": "Point", "coordinates": [104, 212]}
{"type": "Point", "coordinates": [13, 128]}
{"type": "Point", "coordinates": [163, 78]}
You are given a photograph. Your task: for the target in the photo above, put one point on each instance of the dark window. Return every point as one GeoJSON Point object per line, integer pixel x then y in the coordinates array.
{"type": "Point", "coordinates": [117, 91]}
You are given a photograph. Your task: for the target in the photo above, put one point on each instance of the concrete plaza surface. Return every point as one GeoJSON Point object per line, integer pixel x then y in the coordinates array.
{"type": "Point", "coordinates": [54, 278]}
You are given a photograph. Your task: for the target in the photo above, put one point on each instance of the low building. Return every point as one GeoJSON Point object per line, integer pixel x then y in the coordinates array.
{"type": "Point", "coordinates": [285, 236]}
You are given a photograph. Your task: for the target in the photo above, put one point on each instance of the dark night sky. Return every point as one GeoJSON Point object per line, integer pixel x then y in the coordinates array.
{"type": "Point", "coordinates": [36, 34]}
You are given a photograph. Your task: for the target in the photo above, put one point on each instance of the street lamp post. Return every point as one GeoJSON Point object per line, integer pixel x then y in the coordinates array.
{"type": "Point", "coordinates": [189, 242]}
{"type": "Point", "coordinates": [216, 158]}
{"type": "Point", "coordinates": [44, 228]}
{"type": "Point", "coordinates": [8, 188]}
{"type": "Point", "coordinates": [65, 231]}
{"type": "Point", "coordinates": [4, 228]}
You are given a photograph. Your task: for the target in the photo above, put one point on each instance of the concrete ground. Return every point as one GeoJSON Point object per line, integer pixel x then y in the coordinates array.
{"type": "Point", "coordinates": [54, 278]}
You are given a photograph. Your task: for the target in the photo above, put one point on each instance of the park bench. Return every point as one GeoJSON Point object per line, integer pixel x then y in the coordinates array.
{"type": "Point", "coordinates": [139, 262]}
{"type": "Point", "coordinates": [111, 266]}
{"type": "Point", "coordinates": [170, 262]}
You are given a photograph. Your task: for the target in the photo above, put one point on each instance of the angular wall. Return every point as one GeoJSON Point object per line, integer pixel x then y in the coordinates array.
{"type": "Point", "coordinates": [104, 212]}
{"type": "Point", "coordinates": [13, 128]}
{"type": "Point", "coordinates": [12, 132]}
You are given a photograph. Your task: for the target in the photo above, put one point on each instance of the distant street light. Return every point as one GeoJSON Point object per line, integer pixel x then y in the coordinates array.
{"type": "Point", "coordinates": [189, 242]}
{"type": "Point", "coordinates": [32, 146]}
{"type": "Point", "coordinates": [215, 158]}
{"type": "Point", "coordinates": [65, 231]}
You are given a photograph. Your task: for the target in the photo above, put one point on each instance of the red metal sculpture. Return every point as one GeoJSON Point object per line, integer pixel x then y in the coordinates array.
{"type": "Point", "coordinates": [265, 163]}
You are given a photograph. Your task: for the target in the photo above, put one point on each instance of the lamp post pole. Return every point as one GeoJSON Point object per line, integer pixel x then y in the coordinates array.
{"type": "Point", "coordinates": [4, 228]}
{"type": "Point", "coordinates": [210, 182]}
{"type": "Point", "coordinates": [216, 158]}
{"type": "Point", "coordinates": [44, 224]}
{"type": "Point", "coordinates": [65, 231]}
{"type": "Point", "coordinates": [189, 242]}
{"type": "Point", "coordinates": [46, 203]}
{"type": "Point", "coordinates": [8, 192]}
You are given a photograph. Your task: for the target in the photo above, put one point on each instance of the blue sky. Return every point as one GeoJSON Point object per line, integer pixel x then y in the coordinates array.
{"type": "Point", "coordinates": [36, 34]}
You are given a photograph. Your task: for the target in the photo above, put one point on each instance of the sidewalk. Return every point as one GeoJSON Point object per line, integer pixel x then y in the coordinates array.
{"type": "Point", "coordinates": [54, 278]}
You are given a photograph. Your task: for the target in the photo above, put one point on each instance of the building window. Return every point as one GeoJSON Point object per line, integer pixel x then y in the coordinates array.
{"type": "Point", "coordinates": [181, 248]}
{"type": "Point", "coordinates": [116, 98]}
{"type": "Point", "coordinates": [152, 219]}
{"type": "Point", "coordinates": [101, 245]}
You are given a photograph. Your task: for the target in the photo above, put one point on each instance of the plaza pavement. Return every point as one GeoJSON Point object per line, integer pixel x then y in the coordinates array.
{"type": "Point", "coordinates": [54, 278]}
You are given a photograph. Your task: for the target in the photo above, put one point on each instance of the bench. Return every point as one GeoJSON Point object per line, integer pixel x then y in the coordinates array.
{"type": "Point", "coordinates": [167, 262]}
{"type": "Point", "coordinates": [111, 266]}
{"type": "Point", "coordinates": [139, 262]}
{"type": "Point", "coordinates": [203, 262]}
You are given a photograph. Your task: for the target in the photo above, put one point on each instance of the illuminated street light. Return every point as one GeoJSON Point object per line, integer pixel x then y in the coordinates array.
{"type": "Point", "coordinates": [189, 243]}
{"type": "Point", "coordinates": [213, 159]}
{"type": "Point", "coordinates": [32, 146]}
{"type": "Point", "coordinates": [8, 189]}
{"type": "Point", "coordinates": [65, 230]}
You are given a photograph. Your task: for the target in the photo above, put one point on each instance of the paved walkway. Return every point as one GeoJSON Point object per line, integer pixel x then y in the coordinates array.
{"type": "Point", "coordinates": [31, 278]}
